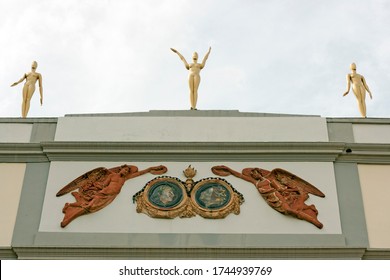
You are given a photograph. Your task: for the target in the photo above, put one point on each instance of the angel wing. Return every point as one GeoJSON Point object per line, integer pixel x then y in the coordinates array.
{"type": "Point", "coordinates": [93, 175]}
{"type": "Point", "coordinates": [286, 178]}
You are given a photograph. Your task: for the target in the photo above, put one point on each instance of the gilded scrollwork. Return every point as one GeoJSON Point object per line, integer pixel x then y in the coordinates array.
{"type": "Point", "coordinates": [216, 198]}
{"type": "Point", "coordinates": [169, 197]}
{"type": "Point", "coordinates": [163, 197]}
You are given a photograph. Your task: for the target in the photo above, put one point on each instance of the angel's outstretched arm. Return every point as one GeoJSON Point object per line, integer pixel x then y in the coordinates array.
{"type": "Point", "coordinates": [205, 59]}
{"type": "Point", "coordinates": [182, 58]}
{"type": "Point", "coordinates": [21, 80]}
{"type": "Point", "coordinates": [222, 170]}
{"type": "Point", "coordinates": [155, 170]}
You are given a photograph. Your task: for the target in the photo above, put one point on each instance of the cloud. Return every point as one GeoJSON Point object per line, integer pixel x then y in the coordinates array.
{"type": "Point", "coordinates": [267, 56]}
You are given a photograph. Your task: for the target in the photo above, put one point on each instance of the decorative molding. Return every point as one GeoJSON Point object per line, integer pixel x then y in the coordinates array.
{"type": "Point", "coordinates": [28, 120]}
{"type": "Point", "coordinates": [78, 253]}
{"type": "Point", "coordinates": [22, 152]}
{"type": "Point", "coordinates": [169, 197]}
{"type": "Point", "coordinates": [7, 253]}
{"type": "Point", "coordinates": [385, 121]}
{"type": "Point", "coordinates": [164, 151]}
{"type": "Point", "coordinates": [182, 151]}
{"type": "Point", "coordinates": [49, 245]}
{"type": "Point", "coordinates": [377, 254]}
{"type": "Point", "coordinates": [365, 153]}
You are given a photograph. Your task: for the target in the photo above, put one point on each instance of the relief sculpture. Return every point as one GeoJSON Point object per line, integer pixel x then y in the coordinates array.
{"type": "Point", "coordinates": [282, 190]}
{"type": "Point", "coordinates": [98, 188]}
{"type": "Point", "coordinates": [169, 197]}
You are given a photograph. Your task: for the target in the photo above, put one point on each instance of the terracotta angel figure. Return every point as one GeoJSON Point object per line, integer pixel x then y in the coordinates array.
{"type": "Point", "coordinates": [193, 75]}
{"type": "Point", "coordinates": [359, 88]}
{"type": "Point", "coordinates": [29, 87]}
{"type": "Point", "coordinates": [98, 188]}
{"type": "Point", "coordinates": [282, 190]}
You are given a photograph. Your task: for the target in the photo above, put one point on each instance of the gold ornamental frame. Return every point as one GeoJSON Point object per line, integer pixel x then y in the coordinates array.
{"type": "Point", "coordinates": [171, 210]}
{"type": "Point", "coordinates": [232, 205]}
{"type": "Point", "coordinates": [169, 197]}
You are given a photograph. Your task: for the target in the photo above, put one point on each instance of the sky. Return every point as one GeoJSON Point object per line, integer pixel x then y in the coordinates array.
{"type": "Point", "coordinates": [269, 56]}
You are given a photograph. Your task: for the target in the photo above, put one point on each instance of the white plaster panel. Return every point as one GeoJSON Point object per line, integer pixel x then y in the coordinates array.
{"type": "Point", "coordinates": [15, 132]}
{"type": "Point", "coordinates": [371, 133]}
{"type": "Point", "coordinates": [12, 175]}
{"type": "Point", "coordinates": [376, 193]}
{"type": "Point", "coordinates": [199, 129]}
{"type": "Point", "coordinates": [256, 216]}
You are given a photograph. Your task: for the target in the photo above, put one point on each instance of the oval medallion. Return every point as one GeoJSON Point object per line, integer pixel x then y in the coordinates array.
{"type": "Point", "coordinates": [165, 194]}
{"type": "Point", "coordinates": [212, 196]}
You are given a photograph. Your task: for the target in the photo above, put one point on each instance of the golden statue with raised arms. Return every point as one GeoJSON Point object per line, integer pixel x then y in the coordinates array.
{"type": "Point", "coordinates": [193, 76]}
{"type": "Point", "coordinates": [29, 87]}
{"type": "Point", "coordinates": [359, 87]}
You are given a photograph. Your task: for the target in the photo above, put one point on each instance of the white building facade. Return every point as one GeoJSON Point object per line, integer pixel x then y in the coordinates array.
{"type": "Point", "coordinates": [345, 158]}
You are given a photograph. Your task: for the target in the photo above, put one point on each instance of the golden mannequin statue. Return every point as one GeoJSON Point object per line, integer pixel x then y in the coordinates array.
{"type": "Point", "coordinates": [359, 87]}
{"type": "Point", "coordinates": [29, 87]}
{"type": "Point", "coordinates": [194, 77]}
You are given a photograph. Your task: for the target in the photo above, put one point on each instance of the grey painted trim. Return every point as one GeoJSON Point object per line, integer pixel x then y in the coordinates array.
{"type": "Point", "coordinates": [191, 253]}
{"type": "Point", "coordinates": [28, 120]}
{"type": "Point", "coordinates": [340, 132]}
{"type": "Point", "coordinates": [172, 240]}
{"type": "Point", "coordinates": [366, 153]}
{"type": "Point", "coordinates": [7, 253]}
{"type": "Point", "coordinates": [43, 132]}
{"type": "Point", "coordinates": [359, 120]}
{"type": "Point", "coordinates": [377, 254]}
{"type": "Point", "coordinates": [22, 152]}
{"type": "Point", "coordinates": [264, 151]}
{"type": "Point", "coordinates": [200, 113]}
{"type": "Point", "coordinates": [30, 204]}
{"type": "Point", "coordinates": [351, 205]}
{"type": "Point", "coordinates": [154, 151]}
{"type": "Point", "coordinates": [189, 113]}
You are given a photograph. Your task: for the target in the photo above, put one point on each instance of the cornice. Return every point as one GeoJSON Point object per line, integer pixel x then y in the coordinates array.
{"type": "Point", "coordinates": [366, 153]}
{"type": "Point", "coordinates": [28, 120]}
{"type": "Point", "coordinates": [200, 151]}
{"type": "Point", "coordinates": [191, 253]}
{"type": "Point", "coordinates": [22, 152]}
{"type": "Point", "coordinates": [385, 121]}
{"type": "Point", "coordinates": [179, 151]}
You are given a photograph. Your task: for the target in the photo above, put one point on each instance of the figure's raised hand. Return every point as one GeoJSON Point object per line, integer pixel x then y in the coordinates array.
{"type": "Point", "coordinates": [221, 170]}
{"type": "Point", "coordinates": [157, 170]}
{"type": "Point", "coordinates": [172, 49]}
{"type": "Point", "coordinates": [345, 93]}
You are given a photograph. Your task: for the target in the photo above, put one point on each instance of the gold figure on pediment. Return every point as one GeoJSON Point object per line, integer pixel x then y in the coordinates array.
{"type": "Point", "coordinates": [29, 87]}
{"type": "Point", "coordinates": [359, 88]}
{"type": "Point", "coordinates": [194, 74]}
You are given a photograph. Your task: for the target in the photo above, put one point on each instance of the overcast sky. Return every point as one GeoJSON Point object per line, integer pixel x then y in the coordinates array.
{"type": "Point", "coordinates": [275, 56]}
